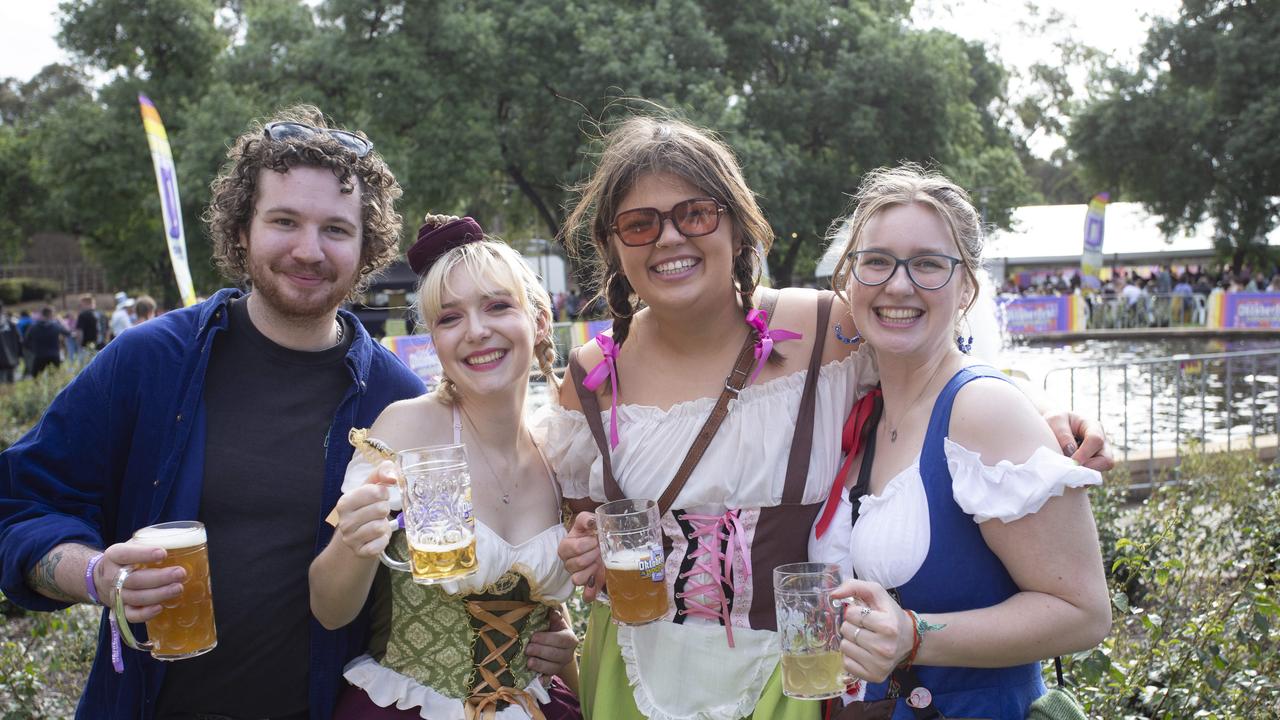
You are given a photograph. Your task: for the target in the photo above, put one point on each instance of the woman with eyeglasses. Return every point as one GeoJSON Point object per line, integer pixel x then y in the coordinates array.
{"type": "Point", "coordinates": [718, 399]}
{"type": "Point", "coordinates": [969, 532]}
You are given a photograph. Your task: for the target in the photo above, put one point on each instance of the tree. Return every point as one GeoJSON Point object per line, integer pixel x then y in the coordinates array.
{"type": "Point", "coordinates": [830, 91]}
{"type": "Point", "coordinates": [495, 106]}
{"type": "Point", "coordinates": [24, 207]}
{"type": "Point", "coordinates": [1191, 132]}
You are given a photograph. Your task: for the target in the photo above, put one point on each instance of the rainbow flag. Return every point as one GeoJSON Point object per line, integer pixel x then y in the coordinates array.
{"type": "Point", "coordinates": [167, 182]}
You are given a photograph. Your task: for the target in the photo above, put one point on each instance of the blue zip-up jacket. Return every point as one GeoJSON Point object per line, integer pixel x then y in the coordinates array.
{"type": "Point", "coordinates": [122, 447]}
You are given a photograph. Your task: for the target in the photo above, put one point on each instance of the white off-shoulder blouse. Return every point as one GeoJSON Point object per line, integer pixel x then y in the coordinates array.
{"type": "Point", "coordinates": [889, 543]}
{"type": "Point", "coordinates": [744, 467]}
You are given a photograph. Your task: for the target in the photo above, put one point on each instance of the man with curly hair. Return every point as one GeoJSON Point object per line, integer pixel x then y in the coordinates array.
{"type": "Point", "coordinates": [234, 412]}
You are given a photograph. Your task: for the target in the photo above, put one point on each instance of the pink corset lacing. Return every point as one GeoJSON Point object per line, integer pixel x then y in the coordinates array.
{"type": "Point", "coordinates": [711, 531]}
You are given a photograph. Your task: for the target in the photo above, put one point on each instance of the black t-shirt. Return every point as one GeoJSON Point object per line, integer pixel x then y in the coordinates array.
{"type": "Point", "coordinates": [268, 411]}
{"type": "Point", "coordinates": [87, 324]}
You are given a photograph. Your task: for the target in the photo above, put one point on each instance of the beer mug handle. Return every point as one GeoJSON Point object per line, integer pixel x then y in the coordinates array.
{"type": "Point", "coordinates": [843, 605]}
{"type": "Point", "coordinates": [392, 563]}
{"type": "Point", "coordinates": [126, 633]}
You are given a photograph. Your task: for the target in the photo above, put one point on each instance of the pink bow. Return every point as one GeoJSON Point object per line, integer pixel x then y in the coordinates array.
{"type": "Point", "coordinates": [608, 367]}
{"type": "Point", "coordinates": [765, 338]}
{"type": "Point", "coordinates": [711, 531]}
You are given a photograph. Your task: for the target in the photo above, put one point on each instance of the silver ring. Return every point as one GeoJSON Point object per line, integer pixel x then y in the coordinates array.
{"type": "Point", "coordinates": [863, 612]}
{"type": "Point", "coordinates": [857, 631]}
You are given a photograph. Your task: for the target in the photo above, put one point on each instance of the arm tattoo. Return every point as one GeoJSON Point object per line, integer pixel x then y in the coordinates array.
{"type": "Point", "coordinates": [43, 577]}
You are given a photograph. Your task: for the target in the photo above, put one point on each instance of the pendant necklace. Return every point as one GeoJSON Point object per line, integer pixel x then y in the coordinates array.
{"type": "Point", "coordinates": [893, 430]}
{"type": "Point", "coordinates": [506, 491]}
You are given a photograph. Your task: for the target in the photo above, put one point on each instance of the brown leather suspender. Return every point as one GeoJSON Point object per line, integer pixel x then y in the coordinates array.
{"type": "Point", "coordinates": [734, 383]}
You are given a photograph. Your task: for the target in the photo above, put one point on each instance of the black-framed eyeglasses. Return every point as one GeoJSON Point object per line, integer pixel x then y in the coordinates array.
{"type": "Point", "coordinates": [694, 217]}
{"type": "Point", "coordinates": [289, 130]}
{"type": "Point", "coordinates": [930, 271]}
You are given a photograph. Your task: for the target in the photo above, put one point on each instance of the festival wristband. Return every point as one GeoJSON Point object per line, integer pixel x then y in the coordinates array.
{"type": "Point", "coordinates": [89, 584]}
{"type": "Point", "coordinates": [916, 638]}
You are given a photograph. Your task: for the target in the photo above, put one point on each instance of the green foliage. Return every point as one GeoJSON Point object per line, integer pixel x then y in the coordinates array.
{"type": "Point", "coordinates": [44, 660]}
{"type": "Point", "coordinates": [1194, 571]}
{"type": "Point", "coordinates": [24, 289]}
{"type": "Point", "coordinates": [492, 106]}
{"type": "Point", "coordinates": [1190, 132]}
{"type": "Point", "coordinates": [23, 402]}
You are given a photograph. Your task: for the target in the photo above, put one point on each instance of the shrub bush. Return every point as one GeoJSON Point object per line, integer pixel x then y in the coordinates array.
{"type": "Point", "coordinates": [23, 402]}
{"type": "Point", "coordinates": [25, 289]}
{"type": "Point", "coordinates": [1193, 571]}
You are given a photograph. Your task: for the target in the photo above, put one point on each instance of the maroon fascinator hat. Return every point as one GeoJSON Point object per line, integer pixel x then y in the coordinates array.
{"type": "Point", "coordinates": [434, 240]}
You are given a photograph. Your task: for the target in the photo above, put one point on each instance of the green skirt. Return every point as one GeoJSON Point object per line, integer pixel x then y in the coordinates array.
{"type": "Point", "coordinates": [606, 693]}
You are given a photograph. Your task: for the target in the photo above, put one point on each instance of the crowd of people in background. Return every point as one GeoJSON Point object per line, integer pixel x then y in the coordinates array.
{"type": "Point", "coordinates": [32, 342]}
{"type": "Point", "coordinates": [1135, 284]}
{"type": "Point", "coordinates": [1161, 296]}
{"type": "Point", "coordinates": [572, 305]}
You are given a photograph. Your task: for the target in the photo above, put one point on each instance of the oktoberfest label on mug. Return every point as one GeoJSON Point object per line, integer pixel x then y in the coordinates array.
{"type": "Point", "coordinates": [631, 543]}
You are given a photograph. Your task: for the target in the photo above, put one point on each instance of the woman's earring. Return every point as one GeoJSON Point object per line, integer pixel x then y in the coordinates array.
{"type": "Point", "coordinates": [847, 340]}
{"type": "Point", "coordinates": [965, 344]}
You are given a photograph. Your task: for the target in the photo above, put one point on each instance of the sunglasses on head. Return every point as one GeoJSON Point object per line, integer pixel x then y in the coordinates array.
{"type": "Point", "coordinates": [288, 130]}
{"type": "Point", "coordinates": [692, 218]}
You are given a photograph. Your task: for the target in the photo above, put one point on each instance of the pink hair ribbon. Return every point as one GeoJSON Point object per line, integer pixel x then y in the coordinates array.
{"type": "Point", "coordinates": [765, 338]}
{"type": "Point", "coordinates": [606, 368]}
{"type": "Point", "coordinates": [713, 532]}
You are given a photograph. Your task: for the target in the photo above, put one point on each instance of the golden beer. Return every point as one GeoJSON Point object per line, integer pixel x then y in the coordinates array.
{"type": "Point", "coordinates": [438, 519]}
{"type": "Point", "coordinates": [813, 676]}
{"type": "Point", "coordinates": [636, 586]}
{"type": "Point", "coordinates": [185, 627]}
{"type": "Point", "coordinates": [434, 563]}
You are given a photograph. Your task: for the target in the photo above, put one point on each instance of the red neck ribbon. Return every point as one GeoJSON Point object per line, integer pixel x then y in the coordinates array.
{"type": "Point", "coordinates": [851, 445]}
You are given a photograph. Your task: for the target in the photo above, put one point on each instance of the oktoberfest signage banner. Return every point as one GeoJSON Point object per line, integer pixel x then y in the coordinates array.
{"type": "Point", "coordinates": [418, 352]}
{"type": "Point", "coordinates": [1049, 314]}
{"type": "Point", "coordinates": [1091, 256]}
{"type": "Point", "coordinates": [167, 181]}
{"type": "Point", "coordinates": [1250, 310]}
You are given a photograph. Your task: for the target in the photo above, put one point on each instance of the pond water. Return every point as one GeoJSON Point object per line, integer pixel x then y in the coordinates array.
{"type": "Point", "coordinates": [1149, 405]}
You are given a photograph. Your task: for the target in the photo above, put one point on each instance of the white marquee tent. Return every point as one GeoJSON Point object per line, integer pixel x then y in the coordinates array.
{"type": "Point", "coordinates": [1053, 235]}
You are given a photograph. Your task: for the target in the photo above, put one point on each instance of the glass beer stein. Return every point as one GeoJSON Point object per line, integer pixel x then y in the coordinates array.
{"type": "Point", "coordinates": [631, 546]}
{"type": "Point", "coordinates": [185, 627]}
{"type": "Point", "coordinates": [809, 630]}
{"type": "Point", "coordinates": [439, 525]}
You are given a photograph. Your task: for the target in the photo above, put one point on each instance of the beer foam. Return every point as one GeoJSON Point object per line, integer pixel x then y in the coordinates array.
{"type": "Point", "coordinates": [170, 538]}
{"type": "Point", "coordinates": [449, 547]}
{"type": "Point", "coordinates": [630, 559]}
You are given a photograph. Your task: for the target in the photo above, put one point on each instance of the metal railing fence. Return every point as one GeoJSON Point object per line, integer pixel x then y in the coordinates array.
{"type": "Point", "coordinates": [1160, 403]}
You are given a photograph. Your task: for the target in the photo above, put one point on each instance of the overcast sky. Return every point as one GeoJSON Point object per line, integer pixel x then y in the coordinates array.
{"type": "Point", "coordinates": [1116, 26]}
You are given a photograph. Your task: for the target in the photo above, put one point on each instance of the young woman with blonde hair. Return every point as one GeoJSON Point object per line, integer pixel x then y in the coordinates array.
{"type": "Point", "coordinates": [488, 644]}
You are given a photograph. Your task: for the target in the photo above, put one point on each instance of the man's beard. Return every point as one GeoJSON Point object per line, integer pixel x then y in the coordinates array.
{"type": "Point", "coordinates": [296, 304]}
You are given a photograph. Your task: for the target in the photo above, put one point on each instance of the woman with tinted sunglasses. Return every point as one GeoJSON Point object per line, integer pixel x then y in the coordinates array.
{"type": "Point", "coordinates": [677, 239]}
